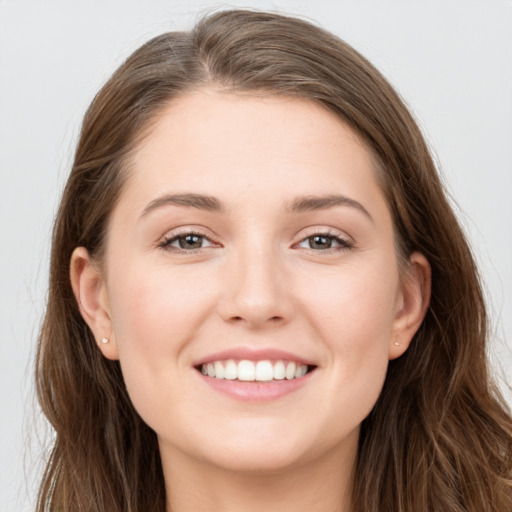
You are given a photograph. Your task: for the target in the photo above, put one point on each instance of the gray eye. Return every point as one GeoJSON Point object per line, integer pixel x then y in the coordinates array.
{"type": "Point", "coordinates": [324, 242]}
{"type": "Point", "coordinates": [187, 241]}
{"type": "Point", "coordinates": [320, 242]}
{"type": "Point", "coordinates": [190, 241]}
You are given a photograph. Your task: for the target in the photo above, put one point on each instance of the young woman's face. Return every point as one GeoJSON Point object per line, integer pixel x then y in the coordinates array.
{"type": "Point", "coordinates": [252, 242]}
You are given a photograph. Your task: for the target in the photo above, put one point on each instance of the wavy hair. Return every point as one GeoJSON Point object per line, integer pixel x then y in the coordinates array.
{"type": "Point", "coordinates": [440, 436]}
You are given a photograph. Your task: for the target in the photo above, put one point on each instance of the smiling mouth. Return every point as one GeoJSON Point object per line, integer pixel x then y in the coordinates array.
{"type": "Point", "coordinates": [254, 371]}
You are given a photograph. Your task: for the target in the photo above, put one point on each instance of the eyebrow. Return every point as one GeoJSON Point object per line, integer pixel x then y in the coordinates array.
{"type": "Point", "coordinates": [312, 203]}
{"type": "Point", "coordinates": [212, 204]}
{"type": "Point", "coordinates": [199, 201]}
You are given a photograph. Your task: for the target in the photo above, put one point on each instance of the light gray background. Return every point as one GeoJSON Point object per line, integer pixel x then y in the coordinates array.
{"type": "Point", "coordinates": [451, 60]}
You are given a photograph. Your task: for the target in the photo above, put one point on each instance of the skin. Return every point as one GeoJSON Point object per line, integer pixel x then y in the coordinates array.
{"type": "Point", "coordinates": [259, 281]}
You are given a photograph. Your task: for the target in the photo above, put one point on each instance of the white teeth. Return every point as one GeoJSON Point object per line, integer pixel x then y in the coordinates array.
{"type": "Point", "coordinates": [219, 370]}
{"type": "Point", "coordinates": [279, 370]}
{"type": "Point", "coordinates": [230, 370]}
{"type": "Point", "coordinates": [249, 371]}
{"type": "Point", "coordinates": [264, 371]}
{"type": "Point", "coordinates": [246, 370]}
{"type": "Point", "coordinates": [300, 371]}
{"type": "Point", "coordinates": [290, 371]}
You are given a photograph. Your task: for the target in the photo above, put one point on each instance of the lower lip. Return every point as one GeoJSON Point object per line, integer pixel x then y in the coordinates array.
{"type": "Point", "coordinates": [256, 391]}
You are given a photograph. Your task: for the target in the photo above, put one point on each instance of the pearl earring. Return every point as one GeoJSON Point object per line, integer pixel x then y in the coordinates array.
{"type": "Point", "coordinates": [104, 340]}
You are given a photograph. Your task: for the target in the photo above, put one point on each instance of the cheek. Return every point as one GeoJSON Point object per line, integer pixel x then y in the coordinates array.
{"type": "Point", "coordinates": [157, 305]}
{"type": "Point", "coordinates": [155, 314]}
{"type": "Point", "coordinates": [355, 303]}
{"type": "Point", "coordinates": [353, 315]}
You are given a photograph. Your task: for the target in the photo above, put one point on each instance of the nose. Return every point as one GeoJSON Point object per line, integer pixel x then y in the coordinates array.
{"type": "Point", "coordinates": [256, 291]}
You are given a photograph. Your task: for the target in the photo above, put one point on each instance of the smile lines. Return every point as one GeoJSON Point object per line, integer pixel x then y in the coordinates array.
{"type": "Point", "coordinates": [254, 371]}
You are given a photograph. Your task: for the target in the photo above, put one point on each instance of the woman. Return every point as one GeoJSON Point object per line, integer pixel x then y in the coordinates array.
{"type": "Point", "coordinates": [259, 295]}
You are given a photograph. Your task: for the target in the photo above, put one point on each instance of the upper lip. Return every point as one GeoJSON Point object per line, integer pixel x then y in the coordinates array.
{"type": "Point", "coordinates": [253, 354]}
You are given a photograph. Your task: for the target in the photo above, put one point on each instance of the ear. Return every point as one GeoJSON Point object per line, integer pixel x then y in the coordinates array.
{"type": "Point", "coordinates": [412, 304]}
{"type": "Point", "coordinates": [90, 293]}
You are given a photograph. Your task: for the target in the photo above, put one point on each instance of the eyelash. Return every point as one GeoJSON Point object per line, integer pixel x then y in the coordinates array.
{"type": "Point", "coordinates": [343, 243]}
{"type": "Point", "coordinates": [167, 241]}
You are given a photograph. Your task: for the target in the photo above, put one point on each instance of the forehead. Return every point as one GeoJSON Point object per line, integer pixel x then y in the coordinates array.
{"type": "Point", "coordinates": [242, 147]}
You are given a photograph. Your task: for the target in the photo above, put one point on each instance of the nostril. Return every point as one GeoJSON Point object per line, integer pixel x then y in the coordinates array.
{"type": "Point", "coordinates": [256, 318]}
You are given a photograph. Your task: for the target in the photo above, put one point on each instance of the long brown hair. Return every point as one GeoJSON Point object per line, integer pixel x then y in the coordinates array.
{"type": "Point", "coordinates": [439, 438]}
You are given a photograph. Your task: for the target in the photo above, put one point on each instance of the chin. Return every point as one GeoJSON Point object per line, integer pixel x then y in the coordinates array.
{"type": "Point", "coordinates": [255, 459]}
{"type": "Point", "coordinates": [266, 446]}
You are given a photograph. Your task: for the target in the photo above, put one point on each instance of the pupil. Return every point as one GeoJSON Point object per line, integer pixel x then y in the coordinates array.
{"type": "Point", "coordinates": [320, 242]}
{"type": "Point", "coordinates": [190, 242]}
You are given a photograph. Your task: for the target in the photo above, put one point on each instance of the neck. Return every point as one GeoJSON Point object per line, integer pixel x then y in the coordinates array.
{"type": "Point", "coordinates": [321, 484]}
